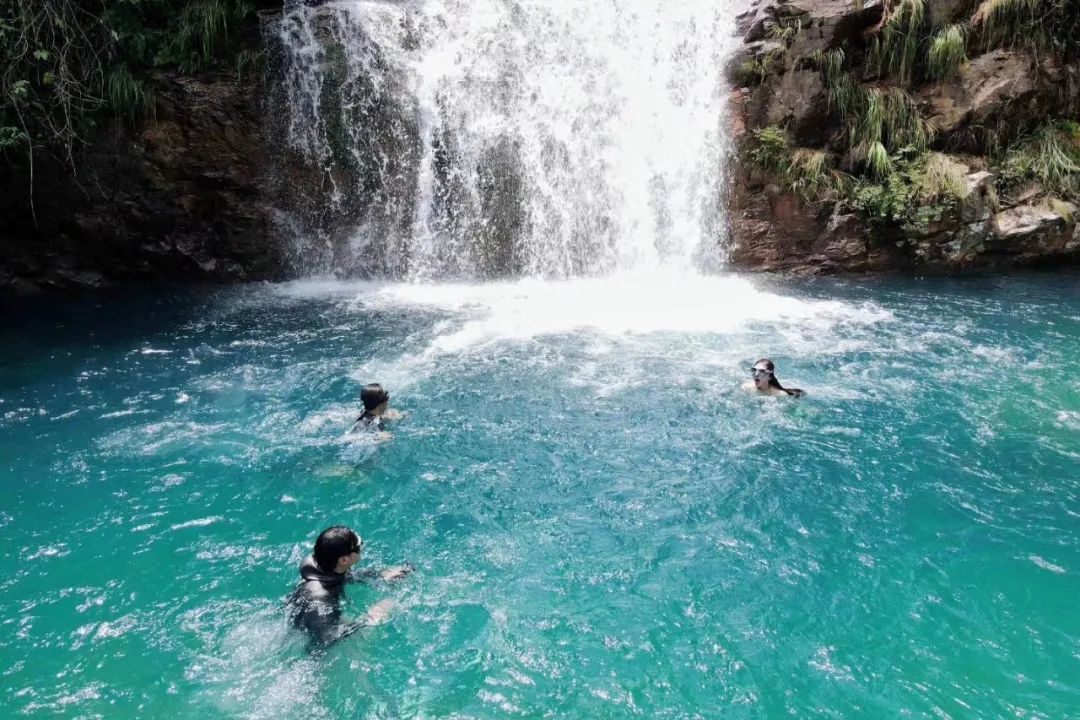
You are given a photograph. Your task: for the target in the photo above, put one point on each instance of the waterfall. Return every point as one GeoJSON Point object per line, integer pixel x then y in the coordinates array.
{"type": "Point", "coordinates": [480, 138]}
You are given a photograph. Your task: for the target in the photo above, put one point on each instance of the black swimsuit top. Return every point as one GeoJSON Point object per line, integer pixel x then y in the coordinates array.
{"type": "Point", "coordinates": [368, 422]}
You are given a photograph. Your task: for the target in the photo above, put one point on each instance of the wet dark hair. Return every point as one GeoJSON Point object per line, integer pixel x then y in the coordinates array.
{"type": "Point", "coordinates": [773, 382]}
{"type": "Point", "coordinates": [333, 544]}
{"type": "Point", "coordinates": [373, 396]}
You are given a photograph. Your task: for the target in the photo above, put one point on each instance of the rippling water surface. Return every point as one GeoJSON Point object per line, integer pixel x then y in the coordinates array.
{"type": "Point", "coordinates": [604, 525]}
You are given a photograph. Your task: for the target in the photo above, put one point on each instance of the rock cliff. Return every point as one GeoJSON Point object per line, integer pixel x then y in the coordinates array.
{"type": "Point", "coordinates": [813, 73]}
{"type": "Point", "coordinates": [181, 197]}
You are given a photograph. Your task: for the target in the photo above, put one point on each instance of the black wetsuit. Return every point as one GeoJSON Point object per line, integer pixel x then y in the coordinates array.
{"type": "Point", "coordinates": [315, 605]}
{"type": "Point", "coordinates": [368, 423]}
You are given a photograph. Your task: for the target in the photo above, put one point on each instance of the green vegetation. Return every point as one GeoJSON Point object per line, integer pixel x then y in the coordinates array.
{"type": "Point", "coordinates": [754, 71]}
{"type": "Point", "coordinates": [127, 95]}
{"type": "Point", "coordinates": [1040, 25]}
{"type": "Point", "coordinates": [202, 33]}
{"type": "Point", "coordinates": [785, 31]}
{"type": "Point", "coordinates": [896, 48]}
{"type": "Point", "coordinates": [947, 53]}
{"type": "Point", "coordinates": [882, 164]}
{"type": "Point", "coordinates": [1050, 156]}
{"type": "Point", "coordinates": [803, 171]}
{"type": "Point", "coordinates": [917, 190]}
{"type": "Point", "coordinates": [907, 49]}
{"type": "Point", "coordinates": [65, 62]}
{"type": "Point", "coordinates": [907, 188]}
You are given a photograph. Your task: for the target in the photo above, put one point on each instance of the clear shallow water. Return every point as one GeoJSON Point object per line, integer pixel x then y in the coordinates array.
{"type": "Point", "coordinates": [604, 525]}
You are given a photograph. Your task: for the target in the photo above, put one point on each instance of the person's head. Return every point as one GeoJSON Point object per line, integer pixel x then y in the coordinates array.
{"type": "Point", "coordinates": [375, 399]}
{"type": "Point", "coordinates": [337, 549]}
{"type": "Point", "coordinates": [764, 374]}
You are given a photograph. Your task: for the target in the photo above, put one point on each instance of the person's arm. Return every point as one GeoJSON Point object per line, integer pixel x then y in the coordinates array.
{"type": "Point", "coordinates": [395, 572]}
{"type": "Point", "coordinates": [361, 576]}
{"type": "Point", "coordinates": [392, 414]}
{"type": "Point", "coordinates": [346, 629]}
{"type": "Point", "coordinates": [377, 614]}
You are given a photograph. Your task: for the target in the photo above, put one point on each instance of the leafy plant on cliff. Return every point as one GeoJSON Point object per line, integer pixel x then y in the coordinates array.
{"type": "Point", "coordinates": [1039, 25]}
{"type": "Point", "coordinates": [947, 53]}
{"type": "Point", "coordinates": [906, 188]}
{"type": "Point", "coordinates": [784, 31]}
{"type": "Point", "coordinates": [63, 62]}
{"type": "Point", "coordinates": [895, 49]}
{"type": "Point", "coordinates": [941, 179]}
{"type": "Point", "coordinates": [887, 116]}
{"type": "Point", "coordinates": [201, 33]}
{"type": "Point", "coordinates": [50, 71]}
{"type": "Point", "coordinates": [874, 158]}
{"type": "Point", "coordinates": [916, 190]}
{"type": "Point", "coordinates": [803, 171]}
{"type": "Point", "coordinates": [754, 71]}
{"type": "Point", "coordinates": [1050, 156]}
{"type": "Point", "coordinates": [127, 95]}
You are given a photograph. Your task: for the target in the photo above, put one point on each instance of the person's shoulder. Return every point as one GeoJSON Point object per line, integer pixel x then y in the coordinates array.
{"type": "Point", "coordinates": [366, 422]}
{"type": "Point", "coordinates": [312, 589]}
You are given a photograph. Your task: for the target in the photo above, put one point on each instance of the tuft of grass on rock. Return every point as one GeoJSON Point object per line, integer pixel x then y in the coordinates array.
{"type": "Point", "coordinates": [941, 179]}
{"type": "Point", "coordinates": [127, 95]}
{"type": "Point", "coordinates": [806, 172]}
{"type": "Point", "coordinates": [947, 53]}
{"type": "Point", "coordinates": [1050, 156]}
{"type": "Point", "coordinates": [895, 50]}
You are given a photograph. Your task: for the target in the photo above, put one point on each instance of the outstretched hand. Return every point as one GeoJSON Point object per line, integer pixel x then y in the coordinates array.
{"type": "Point", "coordinates": [397, 572]}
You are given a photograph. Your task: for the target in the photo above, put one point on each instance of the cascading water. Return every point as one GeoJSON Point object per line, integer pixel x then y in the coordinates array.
{"type": "Point", "coordinates": [479, 138]}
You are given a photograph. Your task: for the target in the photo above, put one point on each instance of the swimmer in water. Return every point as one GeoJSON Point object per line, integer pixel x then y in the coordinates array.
{"type": "Point", "coordinates": [315, 604]}
{"type": "Point", "coordinates": [764, 381]}
{"type": "Point", "coordinates": [376, 411]}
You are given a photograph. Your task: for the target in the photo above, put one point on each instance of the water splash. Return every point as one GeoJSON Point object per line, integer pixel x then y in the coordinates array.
{"type": "Point", "coordinates": [487, 138]}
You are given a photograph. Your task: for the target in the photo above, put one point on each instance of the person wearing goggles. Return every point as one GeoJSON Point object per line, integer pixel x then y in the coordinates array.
{"type": "Point", "coordinates": [315, 604]}
{"type": "Point", "coordinates": [764, 382]}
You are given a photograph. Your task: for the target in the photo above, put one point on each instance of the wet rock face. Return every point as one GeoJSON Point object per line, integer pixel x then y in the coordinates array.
{"type": "Point", "coordinates": [180, 198]}
{"type": "Point", "coordinates": [777, 231]}
{"type": "Point", "coordinates": [988, 88]}
{"type": "Point", "coordinates": [797, 100]}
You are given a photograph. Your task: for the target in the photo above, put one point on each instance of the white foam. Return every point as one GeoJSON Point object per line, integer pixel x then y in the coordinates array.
{"type": "Point", "coordinates": [201, 522]}
{"type": "Point", "coordinates": [624, 304]}
{"type": "Point", "coordinates": [1046, 564]}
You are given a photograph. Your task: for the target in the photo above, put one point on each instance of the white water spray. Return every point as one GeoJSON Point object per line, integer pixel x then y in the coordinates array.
{"type": "Point", "coordinates": [478, 138]}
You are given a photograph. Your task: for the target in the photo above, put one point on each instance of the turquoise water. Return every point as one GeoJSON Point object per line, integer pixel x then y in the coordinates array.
{"type": "Point", "coordinates": [604, 524]}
